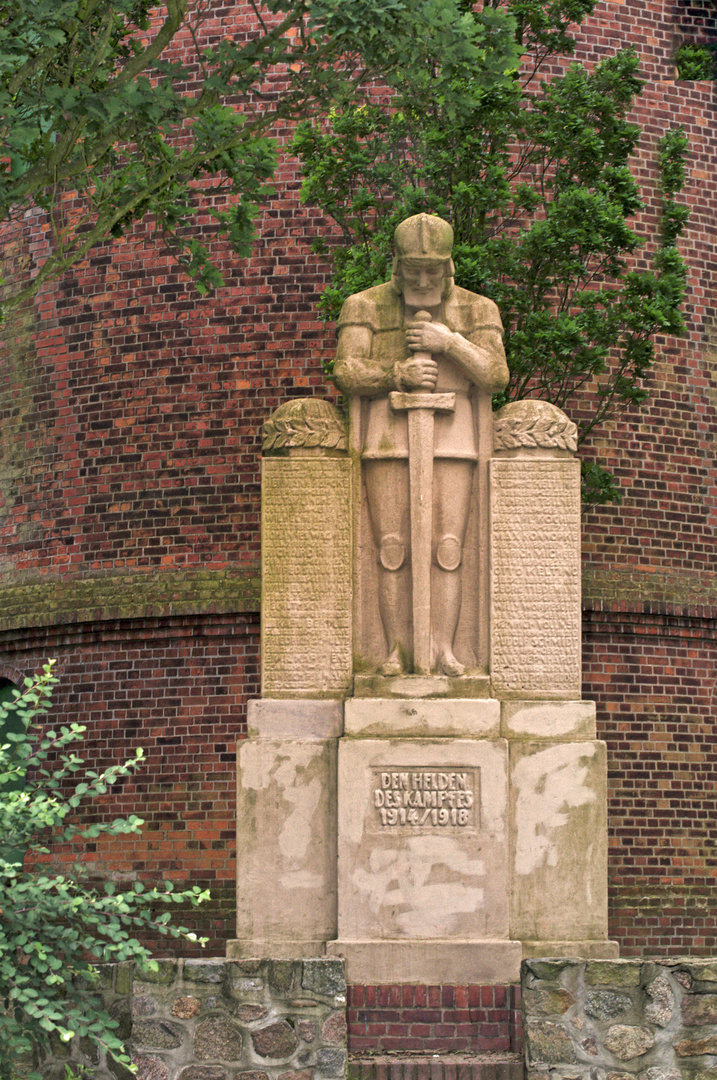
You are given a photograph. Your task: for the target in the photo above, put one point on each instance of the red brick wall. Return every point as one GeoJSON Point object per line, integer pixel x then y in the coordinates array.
{"type": "Point", "coordinates": [177, 687]}
{"type": "Point", "coordinates": [129, 516]}
{"type": "Point", "coordinates": [459, 1019]}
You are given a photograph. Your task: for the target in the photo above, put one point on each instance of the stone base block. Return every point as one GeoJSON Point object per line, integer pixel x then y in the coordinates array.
{"type": "Point", "coordinates": [433, 962]}
{"type": "Point", "coordinates": [563, 720]}
{"type": "Point", "coordinates": [244, 949]}
{"type": "Point", "coordinates": [422, 686]}
{"type": "Point", "coordinates": [585, 950]}
{"type": "Point", "coordinates": [392, 718]}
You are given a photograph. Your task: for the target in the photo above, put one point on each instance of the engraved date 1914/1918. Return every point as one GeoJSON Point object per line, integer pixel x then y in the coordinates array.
{"type": "Point", "coordinates": [424, 798]}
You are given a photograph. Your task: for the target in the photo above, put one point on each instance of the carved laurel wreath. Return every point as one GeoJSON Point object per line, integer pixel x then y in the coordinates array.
{"type": "Point", "coordinates": [279, 433]}
{"type": "Point", "coordinates": [545, 432]}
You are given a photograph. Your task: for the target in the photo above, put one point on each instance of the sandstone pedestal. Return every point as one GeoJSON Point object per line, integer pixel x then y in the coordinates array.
{"type": "Point", "coordinates": [428, 827]}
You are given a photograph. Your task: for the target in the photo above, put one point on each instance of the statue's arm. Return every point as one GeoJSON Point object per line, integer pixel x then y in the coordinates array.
{"type": "Point", "coordinates": [482, 357]}
{"type": "Point", "coordinates": [355, 372]}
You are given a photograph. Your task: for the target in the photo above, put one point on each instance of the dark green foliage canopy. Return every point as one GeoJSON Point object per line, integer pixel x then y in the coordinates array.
{"type": "Point", "coordinates": [535, 176]}
{"type": "Point", "coordinates": [94, 101]}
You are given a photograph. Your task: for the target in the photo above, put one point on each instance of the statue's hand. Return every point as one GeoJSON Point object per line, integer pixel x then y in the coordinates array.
{"type": "Point", "coordinates": [431, 336]}
{"type": "Point", "coordinates": [416, 373]}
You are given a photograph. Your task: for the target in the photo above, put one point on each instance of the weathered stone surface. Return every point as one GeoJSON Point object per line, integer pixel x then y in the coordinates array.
{"type": "Point", "coordinates": [251, 1074]}
{"type": "Point", "coordinates": [281, 975]}
{"type": "Point", "coordinates": [658, 1072]}
{"type": "Point", "coordinates": [303, 422]}
{"type": "Point", "coordinates": [535, 595]}
{"type": "Point", "coordinates": [606, 1005]}
{"type": "Point", "coordinates": [275, 1041]}
{"type": "Point", "coordinates": [558, 842]}
{"type": "Point", "coordinates": [702, 971]}
{"type": "Point", "coordinates": [548, 1001]}
{"type": "Point", "coordinates": [660, 1008]}
{"type": "Point", "coordinates": [696, 1047]}
{"type": "Point", "coordinates": [325, 977]}
{"type": "Point", "coordinates": [627, 1042]}
{"type": "Point", "coordinates": [204, 971]}
{"type": "Point", "coordinates": [296, 1074]}
{"type": "Point", "coordinates": [306, 1030]}
{"type": "Point", "coordinates": [143, 1005]}
{"type": "Point", "coordinates": [699, 1009]}
{"type": "Point", "coordinates": [150, 1068]}
{"type": "Point", "coordinates": [157, 1034]}
{"type": "Point", "coordinates": [121, 1011]}
{"type": "Point", "coordinates": [533, 424]}
{"type": "Point", "coordinates": [286, 797]}
{"type": "Point", "coordinates": [165, 974]}
{"type": "Point", "coordinates": [217, 1039]}
{"type": "Point", "coordinates": [616, 973]}
{"type": "Point", "coordinates": [590, 1046]}
{"type": "Point", "coordinates": [306, 577]}
{"type": "Point", "coordinates": [186, 1007]}
{"type": "Point", "coordinates": [330, 1062]}
{"type": "Point", "coordinates": [549, 1043]}
{"type": "Point", "coordinates": [124, 973]}
{"type": "Point", "coordinates": [547, 970]}
{"type": "Point", "coordinates": [203, 1072]}
{"type": "Point", "coordinates": [250, 1014]}
{"type": "Point", "coordinates": [334, 1028]}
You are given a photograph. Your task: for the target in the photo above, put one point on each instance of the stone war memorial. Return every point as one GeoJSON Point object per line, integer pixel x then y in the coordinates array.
{"type": "Point", "coordinates": [421, 784]}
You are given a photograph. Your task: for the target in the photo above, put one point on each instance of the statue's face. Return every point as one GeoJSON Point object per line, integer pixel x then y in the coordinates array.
{"type": "Point", "coordinates": [422, 282]}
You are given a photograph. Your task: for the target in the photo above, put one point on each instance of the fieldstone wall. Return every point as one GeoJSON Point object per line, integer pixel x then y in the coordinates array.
{"type": "Point", "coordinates": [240, 1020]}
{"type": "Point", "coordinates": [615, 1020]}
{"type": "Point", "coordinates": [222, 1020]}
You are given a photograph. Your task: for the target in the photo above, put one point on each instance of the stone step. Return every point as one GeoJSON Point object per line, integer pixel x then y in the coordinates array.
{"type": "Point", "coordinates": [496, 1066]}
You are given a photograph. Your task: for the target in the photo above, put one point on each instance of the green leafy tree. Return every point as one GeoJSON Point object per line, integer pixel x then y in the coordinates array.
{"type": "Point", "coordinates": [535, 177]}
{"type": "Point", "coordinates": [101, 125]}
{"type": "Point", "coordinates": [54, 927]}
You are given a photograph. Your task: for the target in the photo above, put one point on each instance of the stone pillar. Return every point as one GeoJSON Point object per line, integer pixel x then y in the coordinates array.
{"type": "Point", "coordinates": [557, 770]}
{"type": "Point", "coordinates": [286, 769]}
{"type": "Point", "coordinates": [535, 553]}
{"type": "Point", "coordinates": [306, 551]}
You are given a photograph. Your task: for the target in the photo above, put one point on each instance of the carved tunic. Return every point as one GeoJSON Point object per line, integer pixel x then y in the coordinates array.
{"type": "Point", "coordinates": [381, 311]}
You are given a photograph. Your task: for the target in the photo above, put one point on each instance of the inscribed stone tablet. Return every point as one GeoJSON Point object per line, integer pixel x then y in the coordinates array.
{"type": "Point", "coordinates": [535, 576]}
{"type": "Point", "coordinates": [306, 577]}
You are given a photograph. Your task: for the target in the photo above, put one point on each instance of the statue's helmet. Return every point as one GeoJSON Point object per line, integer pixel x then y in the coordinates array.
{"type": "Point", "coordinates": [424, 237]}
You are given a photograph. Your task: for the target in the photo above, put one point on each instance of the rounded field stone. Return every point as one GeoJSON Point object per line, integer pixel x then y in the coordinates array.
{"type": "Point", "coordinates": [217, 1039]}
{"type": "Point", "coordinates": [331, 1062]}
{"type": "Point", "coordinates": [606, 1005]}
{"type": "Point", "coordinates": [157, 1034]}
{"type": "Point", "coordinates": [334, 1029]}
{"type": "Point", "coordinates": [150, 1068]}
{"type": "Point", "coordinates": [627, 1042]}
{"type": "Point", "coordinates": [548, 1002]}
{"type": "Point", "coordinates": [325, 977]}
{"type": "Point", "coordinates": [143, 1005]}
{"type": "Point", "coordinates": [306, 1030]}
{"type": "Point", "coordinates": [660, 1009]}
{"type": "Point", "coordinates": [275, 1041]}
{"type": "Point", "coordinates": [249, 1014]}
{"type": "Point", "coordinates": [252, 1074]}
{"type": "Point", "coordinates": [203, 1072]}
{"type": "Point", "coordinates": [698, 1009]}
{"type": "Point", "coordinates": [549, 1044]}
{"type": "Point", "coordinates": [186, 1007]}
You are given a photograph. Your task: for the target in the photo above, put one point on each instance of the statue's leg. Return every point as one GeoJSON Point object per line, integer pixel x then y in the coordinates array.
{"type": "Point", "coordinates": [387, 491]}
{"type": "Point", "coordinates": [452, 484]}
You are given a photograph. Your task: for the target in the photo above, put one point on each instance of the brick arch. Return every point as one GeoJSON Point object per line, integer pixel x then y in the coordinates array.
{"type": "Point", "coordinates": [8, 670]}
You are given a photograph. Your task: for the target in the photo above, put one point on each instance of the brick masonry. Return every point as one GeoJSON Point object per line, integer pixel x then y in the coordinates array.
{"type": "Point", "coordinates": [129, 528]}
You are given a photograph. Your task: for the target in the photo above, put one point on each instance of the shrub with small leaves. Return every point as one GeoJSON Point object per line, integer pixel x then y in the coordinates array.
{"type": "Point", "coordinates": [54, 927]}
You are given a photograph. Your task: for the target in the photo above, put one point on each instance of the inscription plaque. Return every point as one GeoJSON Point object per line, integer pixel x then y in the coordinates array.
{"type": "Point", "coordinates": [535, 552]}
{"type": "Point", "coordinates": [433, 799]}
{"type": "Point", "coordinates": [306, 576]}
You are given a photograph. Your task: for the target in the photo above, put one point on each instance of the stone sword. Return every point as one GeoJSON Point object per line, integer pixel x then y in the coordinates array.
{"type": "Point", "coordinates": [421, 408]}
